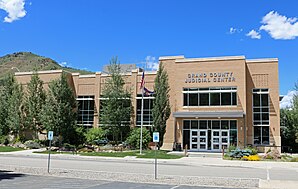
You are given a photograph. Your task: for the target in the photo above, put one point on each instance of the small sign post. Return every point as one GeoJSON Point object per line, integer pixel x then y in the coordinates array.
{"type": "Point", "coordinates": [50, 138]}
{"type": "Point", "coordinates": [155, 140]}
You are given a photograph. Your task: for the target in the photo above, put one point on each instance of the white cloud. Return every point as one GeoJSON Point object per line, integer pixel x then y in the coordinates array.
{"type": "Point", "coordinates": [280, 27]}
{"type": "Point", "coordinates": [151, 63]}
{"type": "Point", "coordinates": [64, 64]}
{"type": "Point", "coordinates": [234, 30]}
{"type": "Point", "coordinates": [287, 100]}
{"type": "Point", "coordinates": [254, 34]}
{"type": "Point", "coordinates": [14, 8]}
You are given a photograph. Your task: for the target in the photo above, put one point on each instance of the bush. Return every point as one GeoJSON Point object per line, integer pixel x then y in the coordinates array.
{"type": "Point", "coordinates": [4, 140]}
{"type": "Point", "coordinates": [95, 134]}
{"type": "Point", "coordinates": [254, 151]}
{"type": "Point", "coordinates": [239, 153]}
{"type": "Point", "coordinates": [134, 138]}
{"type": "Point", "coordinates": [32, 144]}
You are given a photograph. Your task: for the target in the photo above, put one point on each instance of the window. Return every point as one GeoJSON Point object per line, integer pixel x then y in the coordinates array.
{"type": "Point", "coordinates": [261, 135]}
{"type": "Point", "coordinates": [114, 103]}
{"type": "Point", "coordinates": [260, 107]}
{"type": "Point", "coordinates": [261, 116]}
{"type": "Point", "coordinates": [147, 110]}
{"type": "Point", "coordinates": [213, 96]}
{"type": "Point", "coordinates": [85, 110]}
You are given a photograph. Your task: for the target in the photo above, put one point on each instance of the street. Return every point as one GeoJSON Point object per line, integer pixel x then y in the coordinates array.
{"type": "Point", "coordinates": [185, 172]}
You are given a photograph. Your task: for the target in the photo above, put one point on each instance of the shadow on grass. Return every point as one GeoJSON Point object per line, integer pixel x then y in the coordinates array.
{"type": "Point", "coordinates": [9, 175]}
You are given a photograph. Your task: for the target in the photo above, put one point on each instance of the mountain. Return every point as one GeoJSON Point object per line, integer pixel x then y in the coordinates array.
{"type": "Point", "coordinates": [27, 61]}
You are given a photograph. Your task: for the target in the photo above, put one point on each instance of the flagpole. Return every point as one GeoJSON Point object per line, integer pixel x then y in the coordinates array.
{"type": "Point", "coordinates": [142, 107]}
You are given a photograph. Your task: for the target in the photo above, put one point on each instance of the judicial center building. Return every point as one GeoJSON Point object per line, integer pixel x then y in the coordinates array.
{"type": "Point", "coordinates": [215, 102]}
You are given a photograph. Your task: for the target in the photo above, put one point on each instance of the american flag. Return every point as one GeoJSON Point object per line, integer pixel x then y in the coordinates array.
{"type": "Point", "coordinates": [142, 80]}
{"type": "Point", "coordinates": [147, 92]}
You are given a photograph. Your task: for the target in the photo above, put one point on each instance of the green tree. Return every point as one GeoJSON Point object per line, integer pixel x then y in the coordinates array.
{"type": "Point", "coordinates": [116, 106]}
{"type": "Point", "coordinates": [59, 113]}
{"type": "Point", "coordinates": [6, 91]}
{"type": "Point", "coordinates": [289, 124]}
{"type": "Point", "coordinates": [15, 110]}
{"type": "Point", "coordinates": [34, 100]}
{"type": "Point", "coordinates": [161, 108]}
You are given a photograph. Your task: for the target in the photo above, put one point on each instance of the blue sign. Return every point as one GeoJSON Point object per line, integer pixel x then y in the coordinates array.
{"type": "Point", "coordinates": [156, 137]}
{"type": "Point", "coordinates": [50, 135]}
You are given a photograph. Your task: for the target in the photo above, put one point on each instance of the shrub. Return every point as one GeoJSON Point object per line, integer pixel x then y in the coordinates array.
{"type": "Point", "coordinates": [254, 151]}
{"type": "Point", "coordinates": [95, 134]}
{"type": "Point", "coordinates": [134, 138]}
{"type": "Point", "coordinates": [239, 153]}
{"type": "Point", "coordinates": [251, 158]}
{"type": "Point", "coordinates": [32, 144]}
{"type": "Point", "coordinates": [231, 148]}
{"type": "Point", "coordinates": [4, 140]}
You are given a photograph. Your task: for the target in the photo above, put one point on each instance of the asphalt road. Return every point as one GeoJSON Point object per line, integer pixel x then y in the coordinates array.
{"type": "Point", "coordinates": [21, 181]}
{"type": "Point", "coordinates": [164, 168]}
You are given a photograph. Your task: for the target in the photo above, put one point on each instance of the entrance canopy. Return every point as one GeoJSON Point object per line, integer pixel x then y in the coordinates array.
{"type": "Point", "coordinates": [209, 114]}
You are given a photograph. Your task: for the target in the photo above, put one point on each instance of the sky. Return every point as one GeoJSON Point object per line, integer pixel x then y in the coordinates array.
{"type": "Point", "coordinates": [86, 34]}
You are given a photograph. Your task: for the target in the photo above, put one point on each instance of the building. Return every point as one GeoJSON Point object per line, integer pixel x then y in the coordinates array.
{"type": "Point", "coordinates": [215, 102]}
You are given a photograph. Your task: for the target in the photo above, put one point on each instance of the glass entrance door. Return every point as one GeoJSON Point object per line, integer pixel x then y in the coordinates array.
{"type": "Point", "coordinates": [225, 139]}
{"type": "Point", "coordinates": [215, 140]}
{"type": "Point", "coordinates": [203, 140]}
{"type": "Point", "coordinates": [194, 140]}
{"type": "Point", "coordinates": [220, 139]}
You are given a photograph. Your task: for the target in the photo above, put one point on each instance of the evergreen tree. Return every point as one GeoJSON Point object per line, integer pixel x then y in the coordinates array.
{"type": "Point", "coordinates": [35, 99]}
{"type": "Point", "coordinates": [15, 110]}
{"type": "Point", "coordinates": [7, 96]}
{"type": "Point", "coordinates": [161, 108]}
{"type": "Point", "coordinates": [116, 106]}
{"type": "Point", "coordinates": [59, 113]}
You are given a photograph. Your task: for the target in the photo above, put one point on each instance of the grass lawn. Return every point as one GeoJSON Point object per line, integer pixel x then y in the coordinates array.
{"type": "Point", "coordinates": [161, 154]}
{"type": "Point", "coordinates": [9, 149]}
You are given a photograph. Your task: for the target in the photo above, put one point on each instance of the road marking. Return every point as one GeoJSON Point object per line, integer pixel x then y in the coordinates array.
{"type": "Point", "coordinates": [175, 187]}
{"type": "Point", "coordinates": [268, 176]}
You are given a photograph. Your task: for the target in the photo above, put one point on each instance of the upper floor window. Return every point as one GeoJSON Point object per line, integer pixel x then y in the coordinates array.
{"type": "Point", "coordinates": [213, 96]}
{"type": "Point", "coordinates": [85, 110]}
{"type": "Point", "coordinates": [147, 110]}
{"type": "Point", "coordinates": [260, 106]}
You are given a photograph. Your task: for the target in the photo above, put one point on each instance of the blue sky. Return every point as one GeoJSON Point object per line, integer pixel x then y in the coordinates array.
{"type": "Point", "coordinates": [87, 33]}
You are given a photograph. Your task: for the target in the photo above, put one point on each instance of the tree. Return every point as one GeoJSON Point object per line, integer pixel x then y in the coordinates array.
{"type": "Point", "coordinates": [15, 109]}
{"type": "Point", "coordinates": [289, 124]}
{"type": "Point", "coordinates": [34, 101]}
{"type": "Point", "coordinates": [161, 108]}
{"type": "Point", "coordinates": [59, 113]}
{"type": "Point", "coordinates": [116, 105]}
{"type": "Point", "coordinates": [6, 91]}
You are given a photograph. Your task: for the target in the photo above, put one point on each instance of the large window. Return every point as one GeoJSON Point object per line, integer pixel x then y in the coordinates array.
{"type": "Point", "coordinates": [121, 102]}
{"type": "Point", "coordinates": [147, 110]}
{"type": "Point", "coordinates": [261, 116]}
{"type": "Point", "coordinates": [261, 135]}
{"type": "Point", "coordinates": [85, 110]}
{"type": "Point", "coordinates": [260, 106]}
{"type": "Point", "coordinates": [213, 96]}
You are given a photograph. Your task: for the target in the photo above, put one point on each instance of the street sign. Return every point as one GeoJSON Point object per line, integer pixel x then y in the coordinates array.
{"type": "Point", "coordinates": [156, 137]}
{"type": "Point", "coordinates": [50, 135]}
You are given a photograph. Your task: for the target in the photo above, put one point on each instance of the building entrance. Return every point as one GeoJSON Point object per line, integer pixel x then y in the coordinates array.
{"type": "Point", "coordinates": [204, 135]}
{"type": "Point", "coordinates": [216, 141]}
